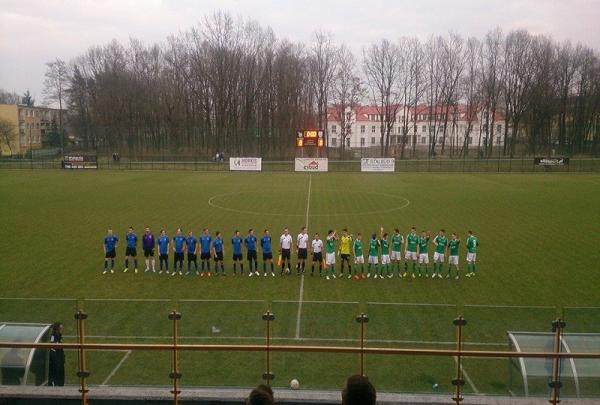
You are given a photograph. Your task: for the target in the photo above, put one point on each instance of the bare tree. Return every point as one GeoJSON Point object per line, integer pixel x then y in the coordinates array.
{"type": "Point", "coordinates": [7, 133]}
{"type": "Point", "coordinates": [382, 69]}
{"type": "Point", "coordinates": [55, 89]}
{"type": "Point", "coordinates": [7, 97]}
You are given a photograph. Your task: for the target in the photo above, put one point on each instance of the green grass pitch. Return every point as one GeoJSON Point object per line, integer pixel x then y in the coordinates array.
{"type": "Point", "coordinates": [538, 260]}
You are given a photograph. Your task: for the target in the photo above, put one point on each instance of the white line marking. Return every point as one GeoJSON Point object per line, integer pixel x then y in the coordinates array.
{"type": "Point", "coordinates": [301, 293]}
{"type": "Point", "coordinates": [509, 306]}
{"type": "Point", "coordinates": [202, 300]}
{"type": "Point", "coordinates": [114, 371]}
{"type": "Point", "coordinates": [469, 381]}
{"type": "Point", "coordinates": [127, 299]}
{"type": "Point", "coordinates": [315, 302]}
{"type": "Point", "coordinates": [416, 304]}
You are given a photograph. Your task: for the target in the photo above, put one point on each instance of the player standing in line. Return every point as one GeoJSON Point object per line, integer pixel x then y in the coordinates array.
{"type": "Point", "coordinates": [410, 251]}
{"type": "Point", "coordinates": [148, 244]}
{"type": "Point", "coordinates": [110, 250]}
{"type": "Point", "coordinates": [385, 255]}
{"type": "Point", "coordinates": [472, 243]}
{"type": "Point", "coordinates": [163, 251]}
{"type": "Point", "coordinates": [373, 255]}
{"type": "Point", "coordinates": [358, 256]}
{"type": "Point", "coordinates": [453, 245]}
{"type": "Point", "coordinates": [302, 245]}
{"type": "Point", "coordinates": [317, 254]}
{"type": "Point", "coordinates": [423, 252]}
{"type": "Point", "coordinates": [218, 253]}
{"type": "Point", "coordinates": [265, 245]}
{"type": "Point", "coordinates": [205, 243]}
{"type": "Point", "coordinates": [178, 248]}
{"type": "Point", "coordinates": [131, 249]}
{"type": "Point", "coordinates": [250, 243]}
{"type": "Point", "coordinates": [285, 248]}
{"type": "Point", "coordinates": [192, 252]}
{"type": "Point", "coordinates": [397, 241]}
{"type": "Point", "coordinates": [236, 247]}
{"type": "Point", "coordinates": [441, 246]}
{"type": "Point", "coordinates": [330, 253]}
{"type": "Point", "coordinates": [345, 248]}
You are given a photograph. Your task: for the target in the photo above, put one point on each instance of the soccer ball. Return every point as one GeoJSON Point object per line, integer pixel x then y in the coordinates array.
{"type": "Point", "coordinates": [294, 384]}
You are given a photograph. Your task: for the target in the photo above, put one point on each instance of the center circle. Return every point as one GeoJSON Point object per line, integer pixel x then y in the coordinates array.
{"type": "Point", "coordinates": [365, 203]}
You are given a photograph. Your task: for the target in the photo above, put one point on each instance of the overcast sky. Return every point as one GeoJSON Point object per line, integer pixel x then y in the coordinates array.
{"type": "Point", "coordinates": [35, 32]}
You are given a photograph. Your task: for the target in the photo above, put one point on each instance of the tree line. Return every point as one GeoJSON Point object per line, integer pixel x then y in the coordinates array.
{"type": "Point", "coordinates": [231, 85]}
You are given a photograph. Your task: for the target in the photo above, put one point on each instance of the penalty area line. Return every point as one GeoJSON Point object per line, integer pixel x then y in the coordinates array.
{"type": "Point", "coordinates": [301, 293]}
{"type": "Point", "coordinates": [466, 375]}
{"type": "Point", "coordinates": [117, 367]}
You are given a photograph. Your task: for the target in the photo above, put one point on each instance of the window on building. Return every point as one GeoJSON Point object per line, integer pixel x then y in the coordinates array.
{"type": "Point", "coordinates": [362, 141]}
{"type": "Point", "coordinates": [373, 129]}
{"type": "Point", "coordinates": [499, 128]}
{"type": "Point", "coordinates": [348, 142]}
{"type": "Point", "coordinates": [498, 139]}
{"type": "Point", "coordinates": [423, 140]}
{"type": "Point", "coordinates": [470, 140]}
{"type": "Point", "coordinates": [334, 129]}
{"type": "Point", "coordinates": [372, 140]}
{"type": "Point", "coordinates": [333, 141]}
{"type": "Point", "coordinates": [362, 129]}
{"type": "Point", "coordinates": [424, 129]}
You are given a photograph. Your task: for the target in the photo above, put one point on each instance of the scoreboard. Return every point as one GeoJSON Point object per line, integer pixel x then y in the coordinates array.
{"type": "Point", "coordinates": [311, 137]}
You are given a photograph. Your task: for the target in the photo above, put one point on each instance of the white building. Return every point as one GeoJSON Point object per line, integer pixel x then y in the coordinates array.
{"type": "Point", "coordinates": [363, 124]}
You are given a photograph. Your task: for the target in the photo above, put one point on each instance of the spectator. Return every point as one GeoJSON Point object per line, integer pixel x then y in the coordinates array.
{"type": "Point", "coordinates": [358, 391]}
{"type": "Point", "coordinates": [56, 372]}
{"type": "Point", "coordinates": [261, 395]}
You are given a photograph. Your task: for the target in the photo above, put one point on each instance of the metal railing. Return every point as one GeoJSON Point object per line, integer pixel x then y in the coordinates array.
{"type": "Point", "coordinates": [82, 346]}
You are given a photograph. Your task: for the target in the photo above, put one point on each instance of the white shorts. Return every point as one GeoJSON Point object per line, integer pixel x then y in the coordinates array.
{"type": "Point", "coordinates": [438, 257]}
{"type": "Point", "coordinates": [359, 260]}
{"type": "Point", "coordinates": [453, 260]}
{"type": "Point", "coordinates": [424, 258]}
{"type": "Point", "coordinates": [330, 258]}
{"type": "Point", "coordinates": [396, 255]}
{"type": "Point", "coordinates": [373, 259]}
{"type": "Point", "coordinates": [410, 255]}
{"type": "Point", "coordinates": [471, 257]}
{"type": "Point", "coordinates": [385, 259]}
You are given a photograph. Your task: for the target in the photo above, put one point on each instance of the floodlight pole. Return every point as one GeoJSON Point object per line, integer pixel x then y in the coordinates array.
{"type": "Point", "coordinates": [362, 319]}
{"type": "Point", "coordinates": [268, 317]}
{"type": "Point", "coordinates": [555, 384]}
{"type": "Point", "coordinates": [175, 375]}
{"type": "Point", "coordinates": [83, 374]}
{"type": "Point", "coordinates": [458, 382]}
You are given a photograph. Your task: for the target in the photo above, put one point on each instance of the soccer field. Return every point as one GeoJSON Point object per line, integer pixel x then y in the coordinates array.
{"type": "Point", "coordinates": [538, 260]}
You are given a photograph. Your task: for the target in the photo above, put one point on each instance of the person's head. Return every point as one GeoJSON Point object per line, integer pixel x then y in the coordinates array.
{"type": "Point", "coordinates": [146, 229]}
{"type": "Point", "coordinates": [179, 231]}
{"type": "Point", "coordinates": [396, 231]}
{"type": "Point", "coordinates": [190, 233]}
{"type": "Point", "coordinates": [413, 230]}
{"type": "Point", "coordinates": [373, 236]}
{"type": "Point", "coordinates": [330, 232]}
{"type": "Point", "coordinates": [205, 230]}
{"type": "Point", "coordinates": [358, 236]}
{"type": "Point", "coordinates": [236, 233]}
{"type": "Point", "coordinates": [109, 231]}
{"type": "Point", "coordinates": [267, 233]}
{"type": "Point", "coordinates": [454, 235]}
{"type": "Point", "coordinates": [251, 231]}
{"type": "Point", "coordinates": [218, 234]}
{"type": "Point", "coordinates": [303, 230]}
{"type": "Point", "coordinates": [316, 236]}
{"type": "Point", "coordinates": [385, 235]}
{"type": "Point", "coordinates": [423, 233]}
{"type": "Point", "coordinates": [442, 232]}
{"type": "Point", "coordinates": [470, 232]}
{"type": "Point", "coordinates": [57, 328]}
{"type": "Point", "coordinates": [162, 232]}
{"type": "Point", "coordinates": [345, 231]}
{"type": "Point", "coordinates": [130, 229]}
{"type": "Point", "coordinates": [358, 391]}
{"type": "Point", "coordinates": [285, 231]}
{"type": "Point", "coordinates": [261, 395]}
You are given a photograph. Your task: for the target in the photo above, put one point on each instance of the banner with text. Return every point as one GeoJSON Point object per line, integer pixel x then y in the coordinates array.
{"type": "Point", "coordinates": [553, 161]}
{"type": "Point", "coordinates": [251, 164]}
{"type": "Point", "coordinates": [80, 161]}
{"type": "Point", "coordinates": [377, 164]}
{"type": "Point", "coordinates": [311, 164]}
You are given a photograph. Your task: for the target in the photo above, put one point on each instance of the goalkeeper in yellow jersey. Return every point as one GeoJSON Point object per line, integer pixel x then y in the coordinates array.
{"type": "Point", "coordinates": [345, 249]}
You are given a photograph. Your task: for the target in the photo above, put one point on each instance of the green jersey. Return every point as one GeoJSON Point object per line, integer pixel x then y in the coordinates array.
{"type": "Point", "coordinates": [374, 247]}
{"type": "Point", "coordinates": [385, 247]}
{"type": "Point", "coordinates": [453, 246]}
{"type": "Point", "coordinates": [472, 243]}
{"type": "Point", "coordinates": [440, 243]}
{"type": "Point", "coordinates": [397, 240]}
{"type": "Point", "coordinates": [329, 245]}
{"type": "Point", "coordinates": [411, 242]}
{"type": "Point", "coordinates": [358, 248]}
{"type": "Point", "coordinates": [423, 242]}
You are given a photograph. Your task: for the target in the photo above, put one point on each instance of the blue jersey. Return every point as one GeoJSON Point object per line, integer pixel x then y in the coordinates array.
{"type": "Point", "coordinates": [236, 242]}
{"type": "Point", "coordinates": [250, 242]}
{"type": "Point", "coordinates": [205, 243]}
{"type": "Point", "coordinates": [179, 240]}
{"type": "Point", "coordinates": [191, 243]}
{"type": "Point", "coordinates": [110, 241]}
{"type": "Point", "coordinates": [218, 245]}
{"type": "Point", "coordinates": [163, 245]}
{"type": "Point", "coordinates": [131, 240]}
{"type": "Point", "coordinates": [265, 243]}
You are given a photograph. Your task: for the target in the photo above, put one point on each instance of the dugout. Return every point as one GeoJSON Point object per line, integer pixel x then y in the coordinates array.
{"type": "Point", "coordinates": [580, 377]}
{"type": "Point", "coordinates": [24, 366]}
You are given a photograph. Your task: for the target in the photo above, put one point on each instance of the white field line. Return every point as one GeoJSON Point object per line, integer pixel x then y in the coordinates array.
{"type": "Point", "coordinates": [469, 381]}
{"type": "Point", "coordinates": [301, 293]}
{"type": "Point", "coordinates": [509, 306]}
{"type": "Point", "coordinates": [412, 304]}
{"type": "Point", "coordinates": [207, 300]}
{"type": "Point", "coordinates": [126, 299]}
{"type": "Point", "coordinates": [306, 339]}
{"type": "Point", "coordinates": [114, 371]}
{"type": "Point", "coordinates": [313, 302]}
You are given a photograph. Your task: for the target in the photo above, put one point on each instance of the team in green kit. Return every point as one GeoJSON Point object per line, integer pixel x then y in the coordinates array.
{"type": "Point", "coordinates": [384, 252]}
